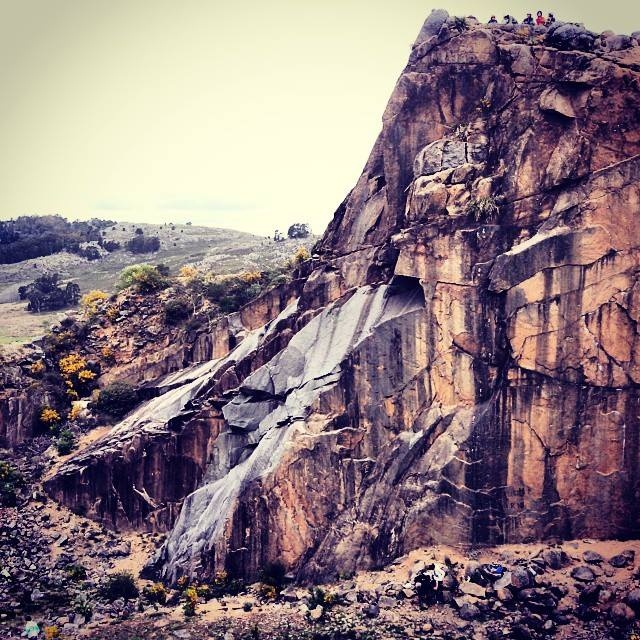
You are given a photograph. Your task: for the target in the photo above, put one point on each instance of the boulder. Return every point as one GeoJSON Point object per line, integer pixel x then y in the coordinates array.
{"type": "Point", "coordinates": [553, 100]}
{"type": "Point", "coordinates": [555, 558]}
{"type": "Point", "coordinates": [583, 574]}
{"type": "Point", "coordinates": [633, 599]}
{"type": "Point", "coordinates": [316, 613]}
{"type": "Point", "coordinates": [621, 614]}
{"type": "Point", "coordinates": [472, 589]}
{"type": "Point", "coordinates": [521, 578]}
{"type": "Point", "coordinates": [469, 612]}
{"type": "Point", "coordinates": [432, 25]}
{"type": "Point", "coordinates": [620, 561]}
{"type": "Point", "coordinates": [567, 36]}
{"type": "Point", "coordinates": [592, 557]}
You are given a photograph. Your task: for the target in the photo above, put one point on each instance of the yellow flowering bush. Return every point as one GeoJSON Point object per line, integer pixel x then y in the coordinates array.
{"type": "Point", "coordinates": [112, 313]}
{"type": "Point", "coordinates": [71, 364]}
{"type": "Point", "coordinates": [189, 607]}
{"type": "Point", "coordinates": [85, 375]}
{"type": "Point", "coordinates": [75, 413]}
{"type": "Point", "coordinates": [92, 301]}
{"type": "Point", "coordinates": [76, 374]}
{"type": "Point", "coordinates": [51, 633]}
{"type": "Point", "coordinates": [155, 593]}
{"type": "Point", "coordinates": [251, 276]}
{"type": "Point", "coordinates": [49, 416]}
{"type": "Point", "coordinates": [188, 272]}
{"type": "Point", "coordinates": [301, 255]}
{"type": "Point", "coordinates": [37, 368]}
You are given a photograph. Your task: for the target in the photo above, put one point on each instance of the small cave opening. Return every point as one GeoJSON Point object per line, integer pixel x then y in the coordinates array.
{"type": "Point", "coordinates": [407, 287]}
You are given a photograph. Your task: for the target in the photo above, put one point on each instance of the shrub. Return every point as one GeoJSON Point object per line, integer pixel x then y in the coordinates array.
{"type": "Point", "coordinates": [301, 255]}
{"type": "Point", "coordinates": [112, 312]}
{"type": "Point", "coordinates": [76, 374]}
{"type": "Point", "coordinates": [46, 293]}
{"type": "Point", "coordinates": [51, 633]}
{"type": "Point", "coordinates": [231, 292]}
{"type": "Point", "coordinates": [156, 593]}
{"type": "Point", "coordinates": [66, 442]}
{"type": "Point", "coordinates": [111, 246]}
{"type": "Point", "coordinates": [92, 301]}
{"type": "Point", "coordinates": [71, 364]}
{"type": "Point", "coordinates": [189, 607]}
{"type": "Point", "coordinates": [204, 591]}
{"type": "Point", "coordinates": [175, 310]}
{"type": "Point", "coordinates": [82, 605]}
{"type": "Point", "coordinates": [121, 584]}
{"type": "Point", "coordinates": [107, 353]}
{"type": "Point", "coordinates": [318, 596]}
{"type": "Point", "coordinates": [143, 277]}
{"type": "Point", "coordinates": [267, 591]}
{"type": "Point", "coordinates": [10, 480]}
{"type": "Point", "coordinates": [49, 417]}
{"type": "Point", "coordinates": [299, 230]}
{"type": "Point", "coordinates": [298, 258]}
{"type": "Point", "coordinates": [117, 399]}
{"type": "Point", "coordinates": [188, 272]}
{"type": "Point", "coordinates": [483, 209]}
{"type": "Point", "coordinates": [76, 572]}
{"type": "Point", "coordinates": [460, 24]}
{"type": "Point", "coordinates": [37, 368]}
{"type": "Point", "coordinates": [142, 244]}
{"type": "Point", "coordinates": [223, 585]}
{"type": "Point", "coordinates": [74, 413]}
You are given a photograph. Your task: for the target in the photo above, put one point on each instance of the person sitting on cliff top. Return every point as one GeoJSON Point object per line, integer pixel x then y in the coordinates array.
{"type": "Point", "coordinates": [540, 19]}
{"type": "Point", "coordinates": [492, 20]}
{"type": "Point", "coordinates": [509, 20]}
{"type": "Point", "coordinates": [551, 19]}
{"type": "Point", "coordinates": [528, 19]}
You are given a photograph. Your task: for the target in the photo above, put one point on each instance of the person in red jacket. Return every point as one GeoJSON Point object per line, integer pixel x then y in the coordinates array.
{"type": "Point", "coordinates": [540, 19]}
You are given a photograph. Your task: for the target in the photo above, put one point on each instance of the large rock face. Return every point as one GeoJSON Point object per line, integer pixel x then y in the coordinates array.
{"type": "Point", "coordinates": [460, 365]}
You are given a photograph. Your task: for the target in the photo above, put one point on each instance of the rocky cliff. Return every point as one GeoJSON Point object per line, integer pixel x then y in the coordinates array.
{"type": "Point", "coordinates": [459, 362]}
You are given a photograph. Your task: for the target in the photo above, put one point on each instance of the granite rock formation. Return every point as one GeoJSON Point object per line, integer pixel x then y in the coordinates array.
{"type": "Point", "coordinates": [459, 363]}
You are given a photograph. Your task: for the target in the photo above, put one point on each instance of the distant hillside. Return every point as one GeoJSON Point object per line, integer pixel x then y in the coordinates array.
{"type": "Point", "coordinates": [35, 236]}
{"type": "Point", "coordinates": [218, 250]}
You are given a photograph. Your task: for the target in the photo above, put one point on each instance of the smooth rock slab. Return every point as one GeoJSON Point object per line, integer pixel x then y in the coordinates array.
{"type": "Point", "coordinates": [473, 589]}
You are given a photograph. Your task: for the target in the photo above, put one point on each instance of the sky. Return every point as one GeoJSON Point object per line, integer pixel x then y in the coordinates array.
{"type": "Point", "coordinates": [249, 115]}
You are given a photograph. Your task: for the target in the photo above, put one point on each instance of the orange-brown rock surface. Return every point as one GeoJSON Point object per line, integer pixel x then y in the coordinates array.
{"type": "Point", "coordinates": [460, 365]}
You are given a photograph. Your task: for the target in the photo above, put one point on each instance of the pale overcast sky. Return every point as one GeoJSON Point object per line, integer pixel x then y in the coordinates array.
{"type": "Point", "coordinates": [247, 114]}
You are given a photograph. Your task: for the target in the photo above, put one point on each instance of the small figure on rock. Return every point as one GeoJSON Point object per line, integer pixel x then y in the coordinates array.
{"type": "Point", "coordinates": [528, 19]}
{"type": "Point", "coordinates": [551, 19]}
{"type": "Point", "coordinates": [509, 20]}
{"type": "Point", "coordinates": [492, 20]}
{"type": "Point", "coordinates": [540, 19]}
{"type": "Point", "coordinates": [429, 583]}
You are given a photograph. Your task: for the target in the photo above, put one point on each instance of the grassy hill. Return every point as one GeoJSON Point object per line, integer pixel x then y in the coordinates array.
{"type": "Point", "coordinates": [218, 250]}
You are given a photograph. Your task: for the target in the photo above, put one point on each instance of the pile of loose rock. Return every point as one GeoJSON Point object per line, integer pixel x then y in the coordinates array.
{"type": "Point", "coordinates": [53, 566]}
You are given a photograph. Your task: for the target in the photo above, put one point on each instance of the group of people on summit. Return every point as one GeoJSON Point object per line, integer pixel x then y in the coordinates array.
{"type": "Point", "coordinates": [539, 20]}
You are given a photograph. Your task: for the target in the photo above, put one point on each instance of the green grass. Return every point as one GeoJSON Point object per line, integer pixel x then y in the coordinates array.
{"type": "Point", "coordinates": [218, 250]}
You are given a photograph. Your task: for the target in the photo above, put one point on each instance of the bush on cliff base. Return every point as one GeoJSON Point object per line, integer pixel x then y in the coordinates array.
{"type": "Point", "coordinates": [117, 399]}
{"type": "Point", "coordinates": [120, 585]}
